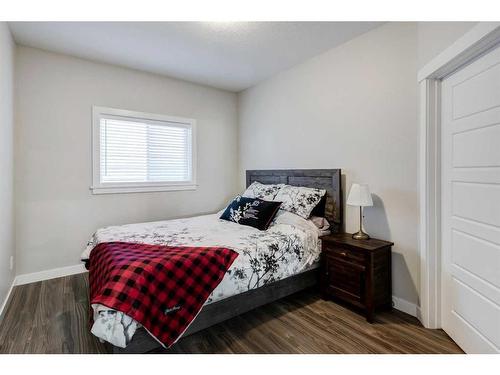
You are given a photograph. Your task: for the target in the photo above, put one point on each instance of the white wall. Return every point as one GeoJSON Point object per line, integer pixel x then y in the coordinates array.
{"type": "Point", "coordinates": [56, 213]}
{"type": "Point", "coordinates": [6, 159]}
{"type": "Point", "coordinates": [434, 37]}
{"type": "Point", "coordinates": [355, 108]}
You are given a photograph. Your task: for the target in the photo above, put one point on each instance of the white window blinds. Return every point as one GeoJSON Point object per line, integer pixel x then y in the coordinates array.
{"type": "Point", "coordinates": [143, 152]}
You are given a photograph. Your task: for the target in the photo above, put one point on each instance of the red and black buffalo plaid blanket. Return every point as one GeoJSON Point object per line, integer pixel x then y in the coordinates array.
{"type": "Point", "coordinates": [161, 287]}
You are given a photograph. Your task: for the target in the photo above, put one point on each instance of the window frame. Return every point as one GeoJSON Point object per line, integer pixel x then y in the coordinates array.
{"type": "Point", "coordinates": [99, 187]}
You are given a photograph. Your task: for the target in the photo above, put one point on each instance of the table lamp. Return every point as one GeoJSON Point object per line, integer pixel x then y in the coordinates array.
{"type": "Point", "coordinates": [360, 196]}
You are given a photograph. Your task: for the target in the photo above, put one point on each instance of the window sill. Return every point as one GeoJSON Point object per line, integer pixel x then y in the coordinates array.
{"type": "Point", "coordinates": [141, 189]}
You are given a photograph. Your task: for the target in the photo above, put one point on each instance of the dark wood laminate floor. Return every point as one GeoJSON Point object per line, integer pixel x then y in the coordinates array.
{"type": "Point", "coordinates": [52, 317]}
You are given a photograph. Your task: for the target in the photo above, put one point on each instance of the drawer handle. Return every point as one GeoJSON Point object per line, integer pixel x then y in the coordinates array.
{"type": "Point", "coordinates": [343, 253]}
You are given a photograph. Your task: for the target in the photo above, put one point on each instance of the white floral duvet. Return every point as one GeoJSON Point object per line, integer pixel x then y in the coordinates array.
{"type": "Point", "coordinates": [290, 246]}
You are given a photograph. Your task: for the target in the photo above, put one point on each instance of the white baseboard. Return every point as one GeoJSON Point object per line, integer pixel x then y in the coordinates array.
{"type": "Point", "coordinates": [4, 303]}
{"type": "Point", "coordinates": [419, 314]}
{"type": "Point", "coordinates": [405, 306]}
{"type": "Point", "coordinates": [49, 274]}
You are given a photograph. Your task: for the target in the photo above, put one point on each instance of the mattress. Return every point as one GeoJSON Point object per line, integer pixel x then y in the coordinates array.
{"type": "Point", "coordinates": [290, 246]}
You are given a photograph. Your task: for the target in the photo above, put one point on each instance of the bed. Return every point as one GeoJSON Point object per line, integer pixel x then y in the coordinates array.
{"type": "Point", "coordinates": [271, 264]}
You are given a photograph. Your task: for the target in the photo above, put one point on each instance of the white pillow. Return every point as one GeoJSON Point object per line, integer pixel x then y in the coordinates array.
{"type": "Point", "coordinates": [298, 199]}
{"type": "Point", "coordinates": [320, 222]}
{"type": "Point", "coordinates": [288, 218]}
{"type": "Point", "coordinates": [265, 192]}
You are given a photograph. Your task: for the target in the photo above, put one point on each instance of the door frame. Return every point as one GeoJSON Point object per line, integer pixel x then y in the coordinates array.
{"type": "Point", "coordinates": [475, 43]}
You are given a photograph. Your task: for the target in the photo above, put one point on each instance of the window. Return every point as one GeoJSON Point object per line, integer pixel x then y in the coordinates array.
{"type": "Point", "coordinates": [134, 152]}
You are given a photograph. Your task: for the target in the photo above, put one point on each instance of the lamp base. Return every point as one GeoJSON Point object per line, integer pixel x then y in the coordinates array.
{"type": "Point", "coordinates": [361, 236]}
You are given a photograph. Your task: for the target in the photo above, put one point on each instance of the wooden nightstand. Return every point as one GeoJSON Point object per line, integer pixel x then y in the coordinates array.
{"type": "Point", "coordinates": [357, 272]}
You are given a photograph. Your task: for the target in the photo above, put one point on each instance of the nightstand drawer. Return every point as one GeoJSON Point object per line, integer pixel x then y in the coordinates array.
{"type": "Point", "coordinates": [345, 279]}
{"type": "Point", "coordinates": [345, 254]}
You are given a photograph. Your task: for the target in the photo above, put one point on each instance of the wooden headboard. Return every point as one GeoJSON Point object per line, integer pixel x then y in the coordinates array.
{"type": "Point", "coordinates": [328, 179]}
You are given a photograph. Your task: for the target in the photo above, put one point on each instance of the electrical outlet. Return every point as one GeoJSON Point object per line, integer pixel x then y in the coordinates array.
{"type": "Point", "coordinates": [11, 262]}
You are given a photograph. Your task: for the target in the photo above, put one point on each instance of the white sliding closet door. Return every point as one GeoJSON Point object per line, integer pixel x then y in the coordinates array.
{"type": "Point", "coordinates": [470, 199]}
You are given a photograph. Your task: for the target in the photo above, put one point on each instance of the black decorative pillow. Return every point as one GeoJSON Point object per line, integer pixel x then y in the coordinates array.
{"type": "Point", "coordinates": [319, 210]}
{"type": "Point", "coordinates": [253, 212]}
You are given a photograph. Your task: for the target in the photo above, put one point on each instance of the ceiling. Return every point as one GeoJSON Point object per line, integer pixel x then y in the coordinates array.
{"type": "Point", "coordinates": [226, 55]}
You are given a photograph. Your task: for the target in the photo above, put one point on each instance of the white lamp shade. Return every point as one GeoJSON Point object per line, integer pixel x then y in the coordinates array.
{"type": "Point", "coordinates": [360, 196]}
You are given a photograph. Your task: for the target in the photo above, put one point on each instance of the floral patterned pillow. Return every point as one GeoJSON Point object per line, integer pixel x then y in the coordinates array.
{"type": "Point", "coordinates": [299, 200]}
{"type": "Point", "coordinates": [258, 190]}
{"type": "Point", "coordinates": [253, 212]}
